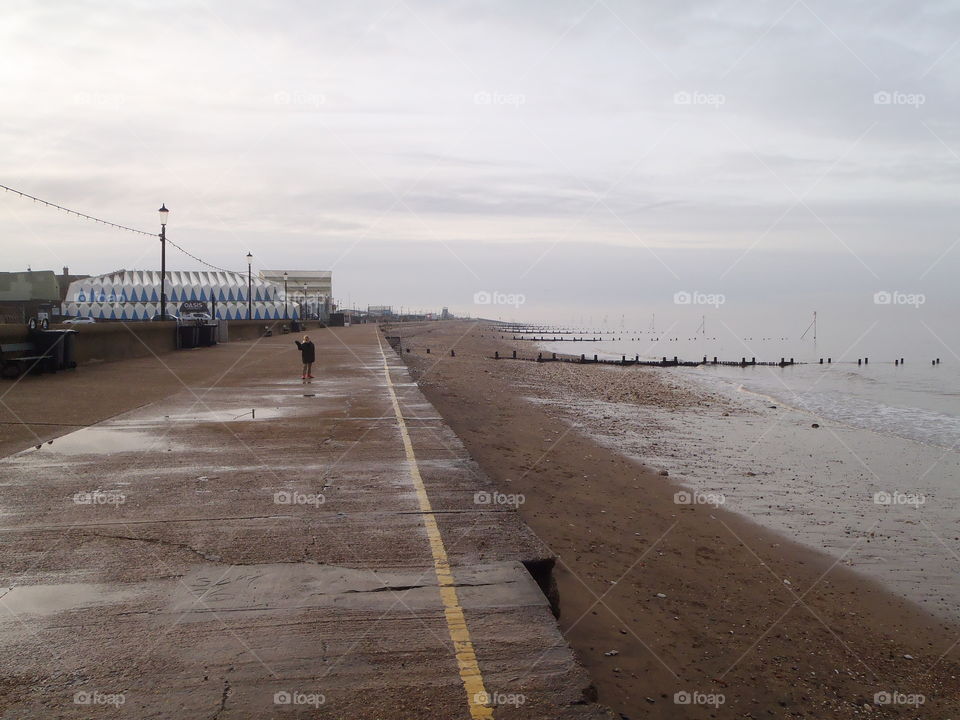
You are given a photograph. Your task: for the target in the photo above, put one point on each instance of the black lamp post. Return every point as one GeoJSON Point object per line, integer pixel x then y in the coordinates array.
{"type": "Point", "coordinates": [163, 260]}
{"type": "Point", "coordinates": [303, 305]}
{"type": "Point", "coordinates": [286, 315]}
{"type": "Point", "coordinates": [249, 287]}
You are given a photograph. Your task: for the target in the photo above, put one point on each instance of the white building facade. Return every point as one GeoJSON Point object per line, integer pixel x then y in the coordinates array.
{"type": "Point", "coordinates": [135, 295]}
{"type": "Point", "coordinates": [310, 290]}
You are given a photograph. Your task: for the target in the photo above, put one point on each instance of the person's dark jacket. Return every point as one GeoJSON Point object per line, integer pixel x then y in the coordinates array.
{"type": "Point", "coordinates": [306, 350]}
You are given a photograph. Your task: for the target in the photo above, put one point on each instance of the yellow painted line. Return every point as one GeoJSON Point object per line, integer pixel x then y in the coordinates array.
{"type": "Point", "coordinates": [456, 622]}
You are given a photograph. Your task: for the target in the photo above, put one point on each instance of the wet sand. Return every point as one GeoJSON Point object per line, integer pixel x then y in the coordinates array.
{"type": "Point", "coordinates": [881, 504]}
{"type": "Point", "coordinates": [660, 598]}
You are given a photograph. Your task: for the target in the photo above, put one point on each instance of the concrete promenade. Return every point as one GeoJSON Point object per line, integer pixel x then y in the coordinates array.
{"type": "Point", "coordinates": [255, 546]}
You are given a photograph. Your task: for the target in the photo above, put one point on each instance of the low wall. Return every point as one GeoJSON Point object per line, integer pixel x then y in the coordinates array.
{"type": "Point", "coordinates": [252, 329]}
{"type": "Point", "coordinates": [120, 341]}
{"type": "Point", "coordinates": [109, 341]}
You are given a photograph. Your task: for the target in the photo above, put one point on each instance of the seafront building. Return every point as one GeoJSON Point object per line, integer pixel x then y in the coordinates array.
{"type": "Point", "coordinates": [135, 294]}
{"type": "Point", "coordinates": [27, 294]}
{"type": "Point", "coordinates": [311, 290]}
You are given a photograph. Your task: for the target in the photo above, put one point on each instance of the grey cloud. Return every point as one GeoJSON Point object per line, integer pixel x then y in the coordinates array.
{"type": "Point", "coordinates": [291, 128]}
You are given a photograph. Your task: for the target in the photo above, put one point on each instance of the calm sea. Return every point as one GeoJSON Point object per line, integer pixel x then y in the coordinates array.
{"type": "Point", "coordinates": [917, 400]}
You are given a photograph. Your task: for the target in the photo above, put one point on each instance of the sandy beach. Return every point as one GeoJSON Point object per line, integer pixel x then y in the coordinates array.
{"type": "Point", "coordinates": [879, 503]}
{"type": "Point", "coordinates": [762, 606]}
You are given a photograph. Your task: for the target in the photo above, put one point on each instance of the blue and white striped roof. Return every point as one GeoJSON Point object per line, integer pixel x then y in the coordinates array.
{"type": "Point", "coordinates": [135, 295]}
{"type": "Point", "coordinates": [181, 285]}
{"type": "Point", "coordinates": [144, 311]}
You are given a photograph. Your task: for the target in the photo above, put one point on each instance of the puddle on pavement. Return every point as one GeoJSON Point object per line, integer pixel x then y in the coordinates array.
{"type": "Point", "coordinates": [52, 599]}
{"type": "Point", "coordinates": [231, 415]}
{"type": "Point", "coordinates": [99, 441]}
{"type": "Point", "coordinates": [160, 421]}
{"type": "Point", "coordinates": [392, 419]}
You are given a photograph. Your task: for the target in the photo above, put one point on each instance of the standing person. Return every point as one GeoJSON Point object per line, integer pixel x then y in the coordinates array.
{"type": "Point", "coordinates": [307, 355]}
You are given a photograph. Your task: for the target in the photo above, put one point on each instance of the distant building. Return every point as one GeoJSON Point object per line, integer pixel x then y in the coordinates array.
{"type": "Point", "coordinates": [445, 314]}
{"type": "Point", "coordinates": [310, 289]}
{"type": "Point", "coordinates": [24, 295]}
{"type": "Point", "coordinates": [379, 311]}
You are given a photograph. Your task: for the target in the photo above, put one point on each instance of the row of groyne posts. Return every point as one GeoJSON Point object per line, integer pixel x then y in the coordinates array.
{"type": "Point", "coordinates": [395, 343]}
{"type": "Point", "coordinates": [663, 362]}
{"type": "Point", "coordinates": [866, 361]}
{"type": "Point", "coordinates": [636, 361]}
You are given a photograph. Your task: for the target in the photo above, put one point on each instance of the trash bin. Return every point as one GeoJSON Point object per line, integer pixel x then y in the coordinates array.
{"type": "Point", "coordinates": [189, 336]}
{"type": "Point", "coordinates": [208, 335]}
{"type": "Point", "coordinates": [69, 344]}
{"type": "Point", "coordinates": [59, 344]}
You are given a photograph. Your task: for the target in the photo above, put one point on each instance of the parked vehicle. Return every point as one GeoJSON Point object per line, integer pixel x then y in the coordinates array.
{"type": "Point", "coordinates": [195, 316]}
{"type": "Point", "coordinates": [168, 317]}
{"type": "Point", "coordinates": [83, 320]}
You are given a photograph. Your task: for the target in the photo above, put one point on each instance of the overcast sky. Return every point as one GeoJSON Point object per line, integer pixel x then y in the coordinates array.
{"type": "Point", "coordinates": [595, 151]}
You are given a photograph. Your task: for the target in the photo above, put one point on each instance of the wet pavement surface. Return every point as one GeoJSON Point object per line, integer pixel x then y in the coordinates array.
{"type": "Point", "coordinates": [261, 548]}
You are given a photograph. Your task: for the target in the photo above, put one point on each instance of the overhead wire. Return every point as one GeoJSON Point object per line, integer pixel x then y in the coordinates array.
{"type": "Point", "coordinates": [118, 226]}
